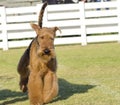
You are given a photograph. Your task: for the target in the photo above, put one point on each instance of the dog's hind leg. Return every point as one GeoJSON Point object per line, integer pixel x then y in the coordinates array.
{"type": "Point", "coordinates": [50, 86]}
{"type": "Point", "coordinates": [23, 70]}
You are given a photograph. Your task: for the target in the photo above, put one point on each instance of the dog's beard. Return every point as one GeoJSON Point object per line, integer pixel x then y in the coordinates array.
{"type": "Point", "coordinates": [46, 57]}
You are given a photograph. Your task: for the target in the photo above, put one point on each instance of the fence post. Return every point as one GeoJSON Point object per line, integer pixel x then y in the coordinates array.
{"type": "Point", "coordinates": [44, 15]}
{"type": "Point", "coordinates": [118, 12]}
{"type": "Point", "coordinates": [4, 28]}
{"type": "Point", "coordinates": [82, 21]}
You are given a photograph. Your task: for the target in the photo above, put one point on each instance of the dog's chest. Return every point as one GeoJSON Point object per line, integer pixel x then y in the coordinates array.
{"type": "Point", "coordinates": [43, 68]}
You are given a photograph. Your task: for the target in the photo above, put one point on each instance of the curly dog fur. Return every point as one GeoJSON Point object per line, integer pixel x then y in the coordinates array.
{"type": "Point", "coordinates": [37, 67]}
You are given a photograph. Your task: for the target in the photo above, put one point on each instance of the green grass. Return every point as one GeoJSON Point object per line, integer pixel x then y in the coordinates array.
{"type": "Point", "coordinates": [87, 75]}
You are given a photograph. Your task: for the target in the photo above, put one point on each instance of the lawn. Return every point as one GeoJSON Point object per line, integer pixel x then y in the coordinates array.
{"type": "Point", "coordinates": [88, 75]}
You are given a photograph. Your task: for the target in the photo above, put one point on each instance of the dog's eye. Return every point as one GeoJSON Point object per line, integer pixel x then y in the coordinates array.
{"type": "Point", "coordinates": [42, 37]}
{"type": "Point", "coordinates": [52, 38]}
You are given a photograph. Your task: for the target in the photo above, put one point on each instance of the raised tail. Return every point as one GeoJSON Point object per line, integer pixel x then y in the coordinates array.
{"type": "Point", "coordinates": [41, 14]}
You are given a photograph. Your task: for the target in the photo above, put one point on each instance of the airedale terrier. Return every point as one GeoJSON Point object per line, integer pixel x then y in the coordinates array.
{"type": "Point", "coordinates": [37, 67]}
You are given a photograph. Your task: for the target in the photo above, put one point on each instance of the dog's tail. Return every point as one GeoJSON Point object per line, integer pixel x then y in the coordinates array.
{"type": "Point", "coordinates": [41, 14]}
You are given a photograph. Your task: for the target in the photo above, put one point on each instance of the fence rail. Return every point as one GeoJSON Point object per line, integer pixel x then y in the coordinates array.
{"type": "Point", "coordinates": [80, 23]}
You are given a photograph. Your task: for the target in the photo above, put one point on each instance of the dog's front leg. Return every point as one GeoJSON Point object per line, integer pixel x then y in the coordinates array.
{"type": "Point", "coordinates": [35, 89]}
{"type": "Point", "coordinates": [50, 89]}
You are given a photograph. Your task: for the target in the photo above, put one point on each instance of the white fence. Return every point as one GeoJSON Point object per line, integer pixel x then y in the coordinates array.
{"type": "Point", "coordinates": [80, 23]}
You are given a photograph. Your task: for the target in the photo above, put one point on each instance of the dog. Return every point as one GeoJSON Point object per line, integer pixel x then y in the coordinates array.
{"type": "Point", "coordinates": [23, 63]}
{"type": "Point", "coordinates": [37, 66]}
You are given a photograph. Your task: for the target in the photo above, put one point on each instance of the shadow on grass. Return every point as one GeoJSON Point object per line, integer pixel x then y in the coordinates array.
{"type": "Point", "coordinates": [67, 89]}
{"type": "Point", "coordinates": [11, 97]}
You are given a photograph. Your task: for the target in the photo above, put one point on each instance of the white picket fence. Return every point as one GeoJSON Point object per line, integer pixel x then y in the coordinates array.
{"type": "Point", "coordinates": [80, 23]}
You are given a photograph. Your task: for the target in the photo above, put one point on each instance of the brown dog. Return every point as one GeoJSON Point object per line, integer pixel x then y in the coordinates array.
{"type": "Point", "coordinates": [41, 59]}
{"type": "Point", "coordinates": [23, 64]}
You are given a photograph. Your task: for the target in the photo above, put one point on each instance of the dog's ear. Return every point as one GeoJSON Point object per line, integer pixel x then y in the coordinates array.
{"type": "Point", "coordinates": [56, 28]}
{"type": "Point", "coordinates": [35, 27]}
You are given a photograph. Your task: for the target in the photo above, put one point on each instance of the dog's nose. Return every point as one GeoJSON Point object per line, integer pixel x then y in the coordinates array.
{"type": "Point", "coordinates": [47, 51]}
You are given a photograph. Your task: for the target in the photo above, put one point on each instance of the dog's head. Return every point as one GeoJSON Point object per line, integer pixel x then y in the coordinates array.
{"type": "Point", "coordinates": [45, 42]}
